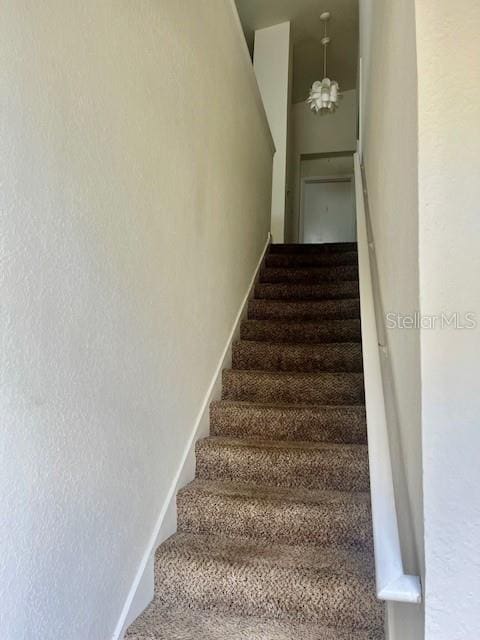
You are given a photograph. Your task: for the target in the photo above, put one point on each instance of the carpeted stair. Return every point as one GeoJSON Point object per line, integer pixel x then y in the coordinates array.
{"type": "Point", "coordinates": [274, 536]}
{"type": "Point", "coordinates": [306, 289]}
{"type": "Point", "coordinates": [302, 310]}
{"type": "Point", "coordinates": [344, 330]}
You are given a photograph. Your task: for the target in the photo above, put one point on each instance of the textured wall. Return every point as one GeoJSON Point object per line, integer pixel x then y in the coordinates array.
{"type": "Point", "coordinates": [388, 50]}
{"type": "Point", "coordinates": [449, 233]}
{"type": "Point", "coordinates": [135, 202]}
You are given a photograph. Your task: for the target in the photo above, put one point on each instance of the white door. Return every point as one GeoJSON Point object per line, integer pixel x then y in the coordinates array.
{"type": "Point", "coordinates": [328, 211]}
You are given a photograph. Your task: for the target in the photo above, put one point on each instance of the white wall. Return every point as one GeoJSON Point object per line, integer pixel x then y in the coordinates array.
{"type": "Point", "coordinates": [330, 166]}
{"type": "Point", "coordinates": [449, 235]}
{"type": "Point", "coordinates": [318, 134]}
{"type": "Point", "coordinates": [272, 64]}
{"type": "Point", "coordinates": [326, 133]}
{"type": "Point", "coordinates": [388, 50]}
{"type": "Point", "coordinates": [136, 185]}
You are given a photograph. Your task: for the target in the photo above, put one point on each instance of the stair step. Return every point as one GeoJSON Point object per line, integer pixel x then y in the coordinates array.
{"type": "Point", "coordinates": [293, 387]}
{"type": "Point", "coordinates": [279, 582]}
{"type": "Point", "coordinates": [160, 622]}
{"type": "Point", "coordinates": [341, 424]}
{"type": "Point", "coordinates": [287, 464]}
{"type": "Point", "coordinates": [311, 259]}
{"type": "Point", "coordinates": [304, 309]}
{"type": "Point", "coordinates": [275, 356]}
{"type": "Point", "coordinates": [308, 274]}
{"type": "Point", "coordinates": [332, 273]}
{"type": "Point", "coordinates": [284, 516]}
{"type": "Point", "coordinates": [306, 291]}
{"type": "Point", "coordinates": [326, 247]}
{"type": "Point", "coordinates": [347, 330]}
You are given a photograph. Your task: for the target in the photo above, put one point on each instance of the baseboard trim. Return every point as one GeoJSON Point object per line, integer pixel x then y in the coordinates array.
{"type": "Point", "coordinates": [141, 591]}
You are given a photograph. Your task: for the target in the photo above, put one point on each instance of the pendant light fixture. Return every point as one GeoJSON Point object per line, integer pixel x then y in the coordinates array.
{"type": "Point", "coordinates": [324, 95]}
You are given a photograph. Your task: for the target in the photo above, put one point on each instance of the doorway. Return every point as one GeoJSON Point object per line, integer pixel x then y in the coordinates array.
{"type": "Point", "coordinates": [327, 210]}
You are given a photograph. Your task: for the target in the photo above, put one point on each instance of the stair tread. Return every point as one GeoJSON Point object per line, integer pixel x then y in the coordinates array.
{"type": "Point", "coordinates": [242, 552]}
{"type": "Point", "coordinates": [310, 301]}
{"type": "Point", "coordinates": [290, 445]}
{"type": "Point", "coordinates": [285, 515]}
{"type": "Point", "coordinates": [324, 259]}
{"type": "Point", "coordinates": [312, 274]}
{"type": "Point", "coordinates": [294, 374]}
{"type": "Point", "coordinates": [301, 309]}
{"type": "Point", "coordinates": [302, 584]}
{"type": "Point", "coordinates": [299, 345]}
{"type": "Point", "coordinates": [327, 269]}
{"type": "Point", "coordinates": [293, 386]}
{"type": "Point", "coordinates": [313, 248]}
{"type": "Point", "coordinates": [332, 586]}
{"type": "Point", "coordinates": [166, 623]}
{"type": "Point", "coordinates": [283, 463]}
{"type": "Point", "coordinates": [294, 332]}
{"type": "Point", "coordinates": [332, 322]}
{"type": "Point", "coordinates": [322, 283]}
{"type": "Point", "coordinates": [289, 406]}
{"type": "Point", "coordinates": [325, 290]}
{"type": "Point", "coordinates": [320, 423]}
{"type": "Point", "coordinates": [297, 356]}
{"type": "Point", "coordinates": [275, 494]}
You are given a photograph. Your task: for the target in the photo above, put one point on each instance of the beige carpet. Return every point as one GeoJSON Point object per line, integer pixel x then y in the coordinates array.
{"type": "Point", "coordinates": [274, 536]}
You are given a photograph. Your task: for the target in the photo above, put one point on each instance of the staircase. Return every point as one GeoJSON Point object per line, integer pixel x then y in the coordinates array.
{"type": "Point", "coordinates": [274, 535]}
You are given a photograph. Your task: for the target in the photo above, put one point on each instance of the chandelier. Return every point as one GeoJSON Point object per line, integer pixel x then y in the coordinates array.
{"type": "Point", "coordinates": [324, 95]}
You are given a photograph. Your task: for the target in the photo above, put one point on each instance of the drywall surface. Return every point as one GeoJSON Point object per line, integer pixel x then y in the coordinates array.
{"type": "Point", "coordinates": [326, 133]}
{"type": "Point", "coordinates": [272, 64]}
{"type": "Point", "coordinates": [318, 134]}
{"type": "Point", "coordinates": [449, 235]}
{"type": "Point", "coordinates": [135, 202]}
{"type": "Point", "coordinates": [388, 50]}
{"type": "Point", "coordinates": [330, 166]}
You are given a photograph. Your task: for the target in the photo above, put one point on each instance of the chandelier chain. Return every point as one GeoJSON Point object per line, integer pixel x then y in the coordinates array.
{"type": "Point", "coordinates": [324, 94]}
{"type": "Point", "coordinates": [325, 51]}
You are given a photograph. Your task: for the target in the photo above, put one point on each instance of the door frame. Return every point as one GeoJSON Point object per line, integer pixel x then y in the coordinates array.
{"type": "Point", "coordinates": [348, 177]}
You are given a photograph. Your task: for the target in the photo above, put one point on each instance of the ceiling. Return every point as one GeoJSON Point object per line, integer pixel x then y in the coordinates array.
{"type": "Point", "coordinates": [307, 33]}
